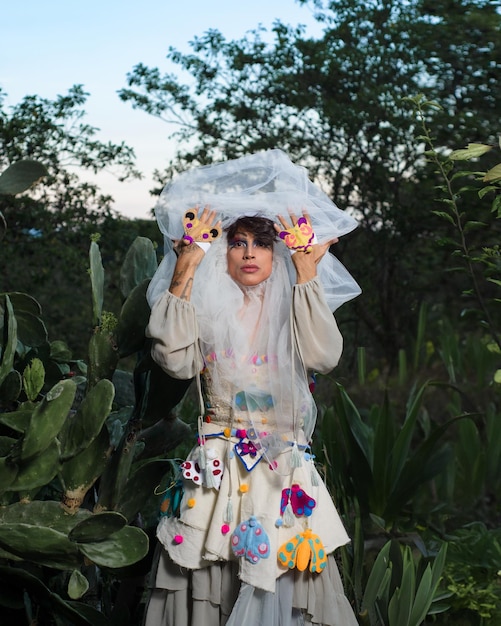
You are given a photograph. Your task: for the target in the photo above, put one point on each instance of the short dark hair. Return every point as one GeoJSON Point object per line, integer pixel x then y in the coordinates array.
{"type": "Point", "coordinates": [258, 226]}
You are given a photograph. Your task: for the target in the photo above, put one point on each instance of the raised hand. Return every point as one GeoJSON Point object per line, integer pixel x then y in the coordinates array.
{"type": "Point", "coordinates": [201, 229]}
{"type": "Point", "coordinates": [299, 237]}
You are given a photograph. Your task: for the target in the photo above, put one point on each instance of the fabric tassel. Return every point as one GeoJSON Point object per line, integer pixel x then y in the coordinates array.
{"type": "Point", "coordinates": [296, 459]}
{"type": "Point", "coordinates": [288, 516]}
{"type": "Point", "coordinates": [228, 514]}
{"type": "Point", "coordinates": [202, 459]}
{"type": "Point", "coordinates": [314, 474]}
{"type": "Point", "coordinates": [210, 483]}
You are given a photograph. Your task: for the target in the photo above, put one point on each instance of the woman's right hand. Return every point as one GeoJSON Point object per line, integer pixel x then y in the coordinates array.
{"type": "Point", "coordinates": [190, 253]}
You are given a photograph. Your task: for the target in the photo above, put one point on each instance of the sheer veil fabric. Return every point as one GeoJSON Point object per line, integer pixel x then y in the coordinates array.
{"type": "Point", "coordinates": [268, 184]}
{"type": "Point", "coordinates": [233, 336]}
{"type": "Point", "coordinates": [255, 375]}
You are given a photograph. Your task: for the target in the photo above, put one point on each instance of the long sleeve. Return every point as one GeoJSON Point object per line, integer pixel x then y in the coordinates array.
{"type": "Point", "coordinates": [173, 328]}
{"type": "Point", "coordinates": [316, 333]}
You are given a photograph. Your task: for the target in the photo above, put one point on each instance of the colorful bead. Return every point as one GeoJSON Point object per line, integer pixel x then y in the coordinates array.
{"type": "Point", "coordinates": [227, 432]}
{"type": "Point", "coordinates": [191, 503]}
{"type": "Point", "coordinates": [178, 539]}
{"type": "Point", "coordinates": [225, 529]}
{"type": "Point", "coordinates": [244, 488]}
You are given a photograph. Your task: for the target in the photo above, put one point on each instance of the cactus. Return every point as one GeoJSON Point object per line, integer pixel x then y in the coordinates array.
{"type": "Point", "coordinates": [18, 177]}
{"type": "Point", "coordinates": [72, 436]}
{"type": "Point", "coordinates": [48, 419]}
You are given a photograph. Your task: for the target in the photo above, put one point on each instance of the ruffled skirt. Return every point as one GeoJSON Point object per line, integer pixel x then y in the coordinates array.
{"type": "Point", "coordinates": [214, 596]}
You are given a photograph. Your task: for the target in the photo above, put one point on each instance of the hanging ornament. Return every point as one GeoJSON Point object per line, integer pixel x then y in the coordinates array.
{"type": "Point", "coordinates": [300, 502]}
{"type": "Point", "coordinates": [303, 549]}
{"type": "Point", "coordinates": [209, 477]}
{"type": "Point", "coordinates": [250, 540]}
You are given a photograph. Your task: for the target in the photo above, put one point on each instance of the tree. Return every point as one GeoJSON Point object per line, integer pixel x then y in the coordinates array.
{"type": "Point", "coordinates": [44, 250]}
{"type": "Point", "coordinates": [335, 104]}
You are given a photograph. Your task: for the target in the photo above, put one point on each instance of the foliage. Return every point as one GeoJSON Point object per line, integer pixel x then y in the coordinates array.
{"type": "Point", "coordinates": [76, 454]}
{"type": "Point", "coordinates": [53, 132]}
{"type": "Point", "coordinates": [401, 589]}
{"type": "Point", "coordinates": [481, 261]}
{"type": "Point", "coordinates": [336, 104]}
{"type": "Point", "coordinates": [386, 458]}
{"type": "Point", "coordinates": [49, 225]}
{"type": "Point", "coordinates": [17, 178]}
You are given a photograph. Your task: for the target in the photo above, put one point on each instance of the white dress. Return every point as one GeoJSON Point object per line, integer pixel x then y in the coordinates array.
{"type": "Point", "coordinates": [230, 553]}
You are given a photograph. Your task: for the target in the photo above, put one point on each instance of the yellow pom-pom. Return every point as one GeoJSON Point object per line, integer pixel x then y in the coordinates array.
{"type": "Point", "coordinates": [227, 432]}
{"type": "Point", "coordinates": [264, 420]}
{"type": "Point", "coordinates": [191, 503]}
{"type": "Point", "coordinates": [244, 488]}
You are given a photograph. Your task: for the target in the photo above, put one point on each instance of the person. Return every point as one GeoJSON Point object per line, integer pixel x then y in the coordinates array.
{"type": "Point", "coordinates": [242, 302]}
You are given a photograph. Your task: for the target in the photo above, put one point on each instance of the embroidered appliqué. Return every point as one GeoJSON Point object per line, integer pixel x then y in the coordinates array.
{"type": "Point", "coordinates": [302, 549]}
{"type": "Point", "coordinates": [301, 502]}
{"type": "Point", "coordinates": [192, 471]}
{"type": "Point", "coordinates": [250, 540]}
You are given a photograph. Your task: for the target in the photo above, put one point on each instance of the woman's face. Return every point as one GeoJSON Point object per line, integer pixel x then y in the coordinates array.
{"type": "Point", "coordinates": [249, 259]}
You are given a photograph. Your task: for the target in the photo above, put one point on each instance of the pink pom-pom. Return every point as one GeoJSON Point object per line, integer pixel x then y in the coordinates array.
{"type": "Point", "coordinates": [178, 539]}
{"type": "Point", "coordinates": [225, 529]}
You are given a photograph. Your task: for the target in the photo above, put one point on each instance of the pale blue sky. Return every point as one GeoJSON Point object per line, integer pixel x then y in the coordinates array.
{"type": "Point", "coordinates": [46, 47]}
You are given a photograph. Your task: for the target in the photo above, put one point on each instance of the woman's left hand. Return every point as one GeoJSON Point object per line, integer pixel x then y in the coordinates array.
{"type": "Point", "coordinates": [306, 257]}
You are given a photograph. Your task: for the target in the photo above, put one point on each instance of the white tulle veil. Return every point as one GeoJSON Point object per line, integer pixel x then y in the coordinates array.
{"type": "Point", "coordinates": [236, 340]}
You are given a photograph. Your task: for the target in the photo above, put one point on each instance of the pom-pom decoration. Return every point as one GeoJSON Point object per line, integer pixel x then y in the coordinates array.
{"type": "Point", "coordinates": [303, 549]}
{"type": "Point", "coordinates": [250, 540]}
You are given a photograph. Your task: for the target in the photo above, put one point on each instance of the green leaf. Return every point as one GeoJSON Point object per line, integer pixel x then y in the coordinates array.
{"type": "Point", "coordinates": [471, 225]}
{"type": "Point", "coordinates": [140, 263]}
{"type": "Point", "coordinates": [97, 281]}
{"type": "Point", "coordinates": [378, 578]}
{"type": "Point", "coordinates": [494, 174]}
{"type": "Point", "coordinates": [81, 472]}
{"type": "Point", "coordinates": [123, 548]}
{"type": "Point", "coordinates": [81, 428]}
{"type": "Point", "coordinates": [97, 527]}
{"type": "Point", "coordinates": [10, 389]}
{"type": "Point", "coordinates": [9, 340]}
{"type": "Point", "coordinates": [48, 418]}
{"type": "Point", "coordinates": [133, 320]}
{"type": "Point", "coordinates": [42, 513]}
{"type": "Point", "coordinates": [39, 544]}
{"type": "Point", "coordinates": [472, 151]}
{"type": "Point", "coordinates": [8, 473]}
{"type": "Point", "coordinates": [445, 216]}
{"type": "Point", "coordinates": [33, 379]}
{"type": "Point", "coordinates": [19, 176]}
{"type": "Point", "coordinates": [78, 585]}
{"type": "Point", "coordinates": [74, 613]}
{"type": "Point", "coordinates": [39, 470]}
